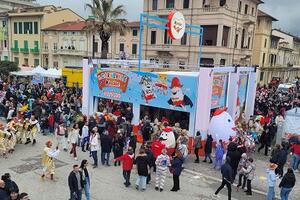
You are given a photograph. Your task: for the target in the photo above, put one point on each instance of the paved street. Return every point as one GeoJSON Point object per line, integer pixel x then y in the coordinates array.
{"type": "Point", "coordinates": [107, 182]}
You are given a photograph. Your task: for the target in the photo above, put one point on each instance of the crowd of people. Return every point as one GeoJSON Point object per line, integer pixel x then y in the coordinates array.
{"type": "Point", "coordinates": [54, 109]}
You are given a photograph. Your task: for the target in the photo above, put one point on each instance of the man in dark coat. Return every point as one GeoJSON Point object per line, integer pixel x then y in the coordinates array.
{"type": "Point", "coordinates": [3, 194]}
{"type": "Point", "coordinates": [76, 184]}
{"type": "Point", "coordinates": [234, 156]}
{"type": "Point", "coordinates": [9, 184]}
{"type": "Point", "coordinates": [227, 180]}
{"type": "Point", "coordinates": [106, 146]}
{"type": "Point", "coordinates": [208, 148]}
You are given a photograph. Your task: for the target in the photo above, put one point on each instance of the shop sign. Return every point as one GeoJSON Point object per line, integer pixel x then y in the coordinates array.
{"type": "Point", "coordinates": [112, 79]}
{"type": "Point", "coordinates": [176, 25]}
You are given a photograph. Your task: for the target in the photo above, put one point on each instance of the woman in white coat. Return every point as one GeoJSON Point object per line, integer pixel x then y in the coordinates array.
{"type": "Point", "coordinates": [73, 138]}
{"type": "Point", "coordinates": [94, 144]}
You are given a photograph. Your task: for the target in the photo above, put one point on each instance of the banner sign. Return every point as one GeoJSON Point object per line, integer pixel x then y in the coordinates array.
{"type": "Point", "coordinates": [242, 95]}
{"type": "Point", "coordinates": [36, 79]}
{"type": "Point", "coordinates": [219, 91]}
{"type": "Point", "coordinates": [146, 88]}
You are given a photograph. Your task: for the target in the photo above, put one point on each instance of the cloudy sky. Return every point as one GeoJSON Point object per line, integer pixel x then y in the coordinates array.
{"type": "Point", "coordinates": [286, 11]}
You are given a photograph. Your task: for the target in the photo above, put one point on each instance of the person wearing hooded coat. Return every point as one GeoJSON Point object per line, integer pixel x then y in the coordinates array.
{"type": "Point", "coordinates": [287, 183]}
{"type": "Point", "coordinates": [208, 148]}
{"type": "Point", "coordinates": [234, 154]}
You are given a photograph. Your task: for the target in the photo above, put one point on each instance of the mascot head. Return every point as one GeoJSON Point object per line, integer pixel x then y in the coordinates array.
{"type": "Point", "coordinates": [168, 138]}
{"type": "Point", "coordinates": [222, 125]}
{"type": "Point", "coordinates": [176, 90]}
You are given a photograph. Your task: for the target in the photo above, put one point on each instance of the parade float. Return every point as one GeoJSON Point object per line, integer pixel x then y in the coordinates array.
{"type": "Point", "coordinates": [192, 95]}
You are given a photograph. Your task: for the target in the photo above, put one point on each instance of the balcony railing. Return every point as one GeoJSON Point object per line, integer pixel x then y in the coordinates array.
{"type": "Point", "coordinates": [24, 50]}
{"type": "Point", "coordinates": [15, 49]}
{"type": "Point", "coordinates": [35, 51]}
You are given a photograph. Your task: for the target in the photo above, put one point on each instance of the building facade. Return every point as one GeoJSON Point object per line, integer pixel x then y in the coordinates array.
{"type": "Point", "coordinates": [4, 48]}
{"type": "Point", "coordinates": [66, 44]}
{"type": "Point", "coordinates": [24, 31]}
{"type": "Point", "coordinates": [228, 32]}
{"type": "Point", "coordinates": [7, 5]}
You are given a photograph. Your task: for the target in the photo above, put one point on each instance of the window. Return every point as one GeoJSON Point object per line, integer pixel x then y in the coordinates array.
{"type": "Point", "coordinates": [154, 4]}
{"type": "Point", "coordinates": [210, 35]}
{"type": "Point", "coordinates": [36, 28]}
{"type": "Point", "coordinates": [26, 61]}
{"type": "Point", "coordinates": [186, 3]}
{"type": "Point", "coordinates": [246, 9]}
{"type": "Point", "coordinates": [5, 43]}
{"type": "Point", "coordinates": [55, 64]}
{"type": "Point", "coordinates": [122, 33]}
{"type": "Point", "coordinates": [167, 39]}
{"type": "Point", "coordinates": [184, 39]}
{"type": "Point", "coordinates": [266, 41]}
{"type": "Point", "coordinates": [95, 47]}
{"type": "Point", "coordinates": [25, 44]}
{"type": "Point", "coordinates": [134, 49]}
{"type": "Point", "coordinates": [134, 32]}
{"type": "Point", "coordinates": [170, 3]}
{"type": "Point", "coordinates": [261, 76]}
{"type": "Point", "coordinates": [222, 62]}
{"type": "Point", "coordinates": [54, 46]}
{"type": "Point", "coordinates": [6, 58]}
{"type": "Point", "coordinates": [20, 27]}
{"type": "Point", "coordinates": [16, 45]}
{"type": "Point", "coordinates": [153, 37]}
{"type": "Point", "coordinates": [16, 59]}
{"type": "Point", "coordinates": [121, 47]}
{"type": "Point", "coordinates": [240, 6]}
{"type": "Point", "coordinates": [252, 12]}
{"type": "Point", "coordinates": [15, 28]}
{"type": "Point", "coordinates": [46, 45]}
{"type": "Point", "coordinates": [249, 42]}
{"type": "Point", "coordinates": [236, 41]}
{"type": "Point", "coordinates": [243, 38]}
{"type": "Point", "coordinates": [263, 59]}
{"type": "Point", "coordinates": [36, 62]}
{"type": "Point", "coordinates": [36, 44]}
{"type": "Point", "coordinates": [4, 23]}
{"type": "Point", "coordinates": [27, 27]}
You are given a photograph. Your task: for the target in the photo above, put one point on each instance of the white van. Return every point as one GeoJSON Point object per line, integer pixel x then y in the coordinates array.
{"type": "Point", "coordinates": [285, 87]}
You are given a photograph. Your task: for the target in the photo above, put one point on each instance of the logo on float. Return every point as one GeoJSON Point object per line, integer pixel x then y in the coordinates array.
{"type": "Point", "coordinates": [112, 79]}
{"type": "Point", "coordinates": [176, 25]}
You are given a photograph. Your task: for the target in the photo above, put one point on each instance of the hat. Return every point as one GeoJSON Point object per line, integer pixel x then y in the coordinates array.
{"type": "Point", "coordinates": [48, 143]}
{"type": "Point", "coordinates": [175, 83]}
{"type": "Point", "coordinates": [272, 166]}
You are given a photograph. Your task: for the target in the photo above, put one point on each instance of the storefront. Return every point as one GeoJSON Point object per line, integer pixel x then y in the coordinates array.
{"type": "Point", "coordinates": [184, 97]}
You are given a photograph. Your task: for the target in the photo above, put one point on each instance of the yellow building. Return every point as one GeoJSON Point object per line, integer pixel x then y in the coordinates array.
{"type": "Point", "coordinates": [25, 27]}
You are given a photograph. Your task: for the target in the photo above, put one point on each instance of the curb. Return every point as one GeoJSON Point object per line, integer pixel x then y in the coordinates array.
{"type": "Point", "coordinates": [220, 181]}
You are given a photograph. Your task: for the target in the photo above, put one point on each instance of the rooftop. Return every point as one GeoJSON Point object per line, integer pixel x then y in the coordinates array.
{"type": "Point", "coordinates": [263, 14]}
{"type": "Point", "coordinates": [67, 26]}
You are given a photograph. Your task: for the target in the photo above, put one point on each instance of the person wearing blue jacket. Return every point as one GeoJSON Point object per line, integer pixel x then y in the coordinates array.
{"type": "Point", "coordinates": [176, 170]}
{"type": "Point", "coordinates": [271, 177]}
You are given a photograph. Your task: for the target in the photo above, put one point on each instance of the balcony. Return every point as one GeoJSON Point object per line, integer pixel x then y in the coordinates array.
{"type": "Point", "coordinates": [71, 52]}
{"type": "Point", "coordinates": [15, 50]}
{"type": "Point", "coordinates": [24, 50]}
{"type": "Point", "coordinates": [35, 51]}
{"type": "Point", "coordinates": [248, 19]}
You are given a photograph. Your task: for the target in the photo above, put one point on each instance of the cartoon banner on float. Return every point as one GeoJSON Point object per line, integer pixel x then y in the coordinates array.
{"type": "Point", "coordinates": [242, 95]}
{"type": "Point", "coordinates": [219, 91]}
{"type": "Point", "coordinates": [145, 88]}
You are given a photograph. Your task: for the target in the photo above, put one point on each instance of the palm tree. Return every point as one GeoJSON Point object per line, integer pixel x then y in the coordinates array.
{"type": "Point", "coordinates": [107, 20]}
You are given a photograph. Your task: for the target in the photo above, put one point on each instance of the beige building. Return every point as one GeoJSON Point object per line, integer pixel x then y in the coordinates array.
{"type": "Point", "coordinates": [6, 5]}
{"type": "Point", "coordinates": [274, 51]}
{"type": "Point", "coordinates": [66, 44]}
{"type": "Point", "coordinates": [25, 27]}
{"type": "Point", "coordinates": [228, 32]}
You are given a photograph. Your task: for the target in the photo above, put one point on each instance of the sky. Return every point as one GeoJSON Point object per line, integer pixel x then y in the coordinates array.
{"type": "Point", "coordinates": [286, 11]}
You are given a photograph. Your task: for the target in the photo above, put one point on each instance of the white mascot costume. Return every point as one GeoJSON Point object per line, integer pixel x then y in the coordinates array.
{"type": "Point", "coordinates": [168, 138]}
{"type": "Point", "coordinates": [222, 125]}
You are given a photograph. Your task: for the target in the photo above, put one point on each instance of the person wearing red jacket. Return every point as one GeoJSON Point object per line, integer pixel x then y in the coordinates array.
{"type": "Point", "coordinates": [127, 164]}
{"type": "Point", "coordinates": [296, 156]}
{"type": "Point", "coordinates": [51, 123]}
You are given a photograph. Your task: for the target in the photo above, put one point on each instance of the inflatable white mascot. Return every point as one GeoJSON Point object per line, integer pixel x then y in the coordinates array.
{"type": "Point", "coordinates": [222, 125]}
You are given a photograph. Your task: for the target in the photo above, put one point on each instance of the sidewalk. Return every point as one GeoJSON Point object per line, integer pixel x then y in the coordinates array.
{"type": "Point", "coordinates": [259, 183]}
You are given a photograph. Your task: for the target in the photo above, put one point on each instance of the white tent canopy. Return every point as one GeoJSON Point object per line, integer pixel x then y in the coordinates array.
{"type": "Point", "coordinates": [50, 73]}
